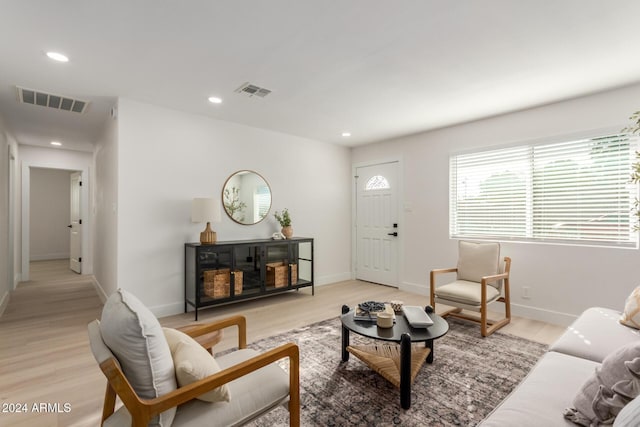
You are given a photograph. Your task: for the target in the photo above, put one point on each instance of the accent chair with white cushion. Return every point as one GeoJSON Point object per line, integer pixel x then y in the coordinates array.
{"type": "Point", "coordinates": [171, 381]}
{"type": "Point", "coordinates": [481, 279]}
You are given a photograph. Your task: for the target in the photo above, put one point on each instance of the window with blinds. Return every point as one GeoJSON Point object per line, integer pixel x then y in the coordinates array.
{"type": "Point", "coordinates": [262, 201]}
{"type": "Point", "coordinates": [571, 192]}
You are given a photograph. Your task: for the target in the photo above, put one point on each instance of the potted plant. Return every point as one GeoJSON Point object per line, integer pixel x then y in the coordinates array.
{"type": "Point", "coordinates": [634, 129]}
{"type": "Point", "coordinates": [285, 223]}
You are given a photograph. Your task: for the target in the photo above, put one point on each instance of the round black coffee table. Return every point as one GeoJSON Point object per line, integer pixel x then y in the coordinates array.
{"type": "Point", "coordinates": [398, 364]}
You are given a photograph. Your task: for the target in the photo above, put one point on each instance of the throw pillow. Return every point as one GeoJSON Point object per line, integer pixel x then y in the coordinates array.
{"type": "Point", "coordinates": [631, 314]}
{"type": "Point", "coordinates": [615, 383]}
{"type": "Point", "coordinates": [135, 337]}
{"type": "Point", "coordinates": [193, 363]}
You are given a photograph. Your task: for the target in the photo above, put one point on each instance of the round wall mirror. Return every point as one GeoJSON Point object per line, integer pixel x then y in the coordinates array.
{"type": "Point", "coordinates": [246, 197]}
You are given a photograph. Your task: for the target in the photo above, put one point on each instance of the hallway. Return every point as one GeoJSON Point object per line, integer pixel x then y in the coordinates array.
{"type": "Point", "coordinates": [44, 348]}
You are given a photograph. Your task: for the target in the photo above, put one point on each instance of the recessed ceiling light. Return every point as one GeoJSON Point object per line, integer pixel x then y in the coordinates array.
{"type": "Point", "coordinates": [56, 143]}
{"type": "Point", "coordinates": [57, 57]}
{"type": "Point", "coordinates": [215, 100]}
{"type": "Point", "coordinates": [346, 134]}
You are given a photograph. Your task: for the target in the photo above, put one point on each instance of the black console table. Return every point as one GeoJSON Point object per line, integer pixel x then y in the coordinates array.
{"type": "Point", "coordinates": [232, 271]}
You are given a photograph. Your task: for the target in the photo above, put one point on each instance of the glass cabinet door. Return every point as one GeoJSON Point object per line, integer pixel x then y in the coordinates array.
{"type": "Point", "coordinates": [215, 273]}
{"type": "Point", "coordinates": [277, 266]}
{"type": "Point", "coordinates": [246, 269]}
{"type": "Point", "coordinates": [303, 256]}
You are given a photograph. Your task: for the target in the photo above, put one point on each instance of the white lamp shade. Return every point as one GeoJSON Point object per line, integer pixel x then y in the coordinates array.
{"type": "Point", "coordinates": [205, 210]}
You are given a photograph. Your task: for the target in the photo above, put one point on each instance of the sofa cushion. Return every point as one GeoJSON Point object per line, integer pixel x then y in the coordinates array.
{"type": "Point", "coordinates": [253, 395]}
{"type": "Point", "coordinates": [609, 389]}
{"type": "Point", "coordinates": [193, 363]}
{"type": "Point", "coordinates": [542, 396]}
{"type": "Point", "coordinates": [595, 334]}
{"type": "Point", "coordinates": [631, 314]}
{"type": "Point", "coordinates": [135, 337]}
{"type": "Point", "coordinates": [476, 260]}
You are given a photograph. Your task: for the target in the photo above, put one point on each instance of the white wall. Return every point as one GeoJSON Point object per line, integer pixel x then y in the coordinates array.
{"type": "Point", "coordinates": [8, 149]}
{"type": "Point", "coordinates": [104, 209]}
{"type": "Point", "coordinates": [50, 214]}
{"type": "Point", "coordinates": [166, 158]}
{"type": "Point", "coordinates": [564, 280]}
{"type": "Point", "coordinates": [39, 157]}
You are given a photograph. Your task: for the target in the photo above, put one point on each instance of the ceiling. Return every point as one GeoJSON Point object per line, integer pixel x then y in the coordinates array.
{"type": "Point", "coordinates": [378, 69]}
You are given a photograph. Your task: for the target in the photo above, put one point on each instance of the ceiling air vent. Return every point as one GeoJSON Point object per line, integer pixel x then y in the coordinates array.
{"type": "Point", "coordinates": [252, 90]}
{"type": "Point", "coordinates": [59, 102]}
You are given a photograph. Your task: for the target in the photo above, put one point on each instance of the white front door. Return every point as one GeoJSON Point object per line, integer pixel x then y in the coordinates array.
{"type": "Point", "coordinates": [75, 227]}
{"type": "Point", "coordinates": [377, 223]}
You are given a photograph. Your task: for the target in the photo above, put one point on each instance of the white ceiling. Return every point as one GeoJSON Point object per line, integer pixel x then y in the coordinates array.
{"type": "Point", "coordinates": [377, 68]}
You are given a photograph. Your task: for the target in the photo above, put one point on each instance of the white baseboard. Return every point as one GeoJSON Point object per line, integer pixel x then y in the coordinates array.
{"type": "Point", "coordinates": [416, 288]}
{"type": "Point", "coordinates": [549, 316]}
{"type": "Point", "coordinates": [46, 257]}
{"type": "Point", "coordinates": [178, 307]}
{"type": "Point", "coordinates": [101, 293]}
{"type": "Point", "coordinates": [167, 309]}
{"type": "Point", "coordinates": [535, 313]}
{"type": "Point", "coordinates": [333, 278]}
{"type": "Point", "coordinates": [4, 302]}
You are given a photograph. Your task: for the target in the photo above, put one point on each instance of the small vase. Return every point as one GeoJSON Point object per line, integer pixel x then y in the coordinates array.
{"type": "Point", "coordinates": [287, 232]}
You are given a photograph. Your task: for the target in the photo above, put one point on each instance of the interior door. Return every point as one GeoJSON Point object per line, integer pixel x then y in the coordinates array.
{"type": "Point", "coordinates": [75, 225]}
{"type": "Point", "coordinates": [377, 223]}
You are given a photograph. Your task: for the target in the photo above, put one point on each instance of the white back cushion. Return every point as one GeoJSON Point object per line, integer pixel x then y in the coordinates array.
{"type": "Point", "coordinates": [476, 260]}
{"type": "Point", "coordinates": [135, 337]}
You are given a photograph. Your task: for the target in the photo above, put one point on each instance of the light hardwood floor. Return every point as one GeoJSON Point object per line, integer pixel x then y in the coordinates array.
{"type": "Point", "coordinates": [45, 355]}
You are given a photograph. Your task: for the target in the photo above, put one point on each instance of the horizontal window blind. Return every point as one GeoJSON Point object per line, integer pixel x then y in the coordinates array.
{"type": "Point", "coordinates": [572, 192]}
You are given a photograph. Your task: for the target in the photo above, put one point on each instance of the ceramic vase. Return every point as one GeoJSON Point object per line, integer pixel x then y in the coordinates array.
{"type": "Point", "coordinates": [287, 232]}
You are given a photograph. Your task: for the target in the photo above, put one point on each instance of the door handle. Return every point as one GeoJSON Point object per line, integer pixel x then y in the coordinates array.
{"type": "Point", "coordinates": [69, 226]}
{"type": "Point", "coordinates": [395, 233]}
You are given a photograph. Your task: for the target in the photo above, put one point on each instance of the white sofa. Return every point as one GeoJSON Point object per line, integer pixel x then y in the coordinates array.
{"type": "Point", "coordinates": [541, 398]}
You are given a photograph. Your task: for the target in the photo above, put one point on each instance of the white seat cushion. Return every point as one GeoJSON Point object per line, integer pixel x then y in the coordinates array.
{"type": "Point", "coordinates": [543, 395]}
{"type": "Point", "coordinates": [135, 337]}
{"type": "Point", "coordinates": [595, 334]}
{"type": "Point", "coordinates": [465, 292]}
{"type": "Point", "coordinates": [253, 395]}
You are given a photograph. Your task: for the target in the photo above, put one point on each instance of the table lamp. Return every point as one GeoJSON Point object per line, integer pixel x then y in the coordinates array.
{"type": "Point", "coordinates": [203, 209]}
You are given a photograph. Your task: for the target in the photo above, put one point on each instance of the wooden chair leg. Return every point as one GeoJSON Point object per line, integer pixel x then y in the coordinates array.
{"type": "Point", "coordinates": [294, 389]}
{"type": "Point", "coordinates": [507, 299]}
{"type": "Point", "coordinates": [483, 322]}
{"type": "Point", "coordinates": [109, 403]}
{"type": "Point", "coordinates": [432, 290]}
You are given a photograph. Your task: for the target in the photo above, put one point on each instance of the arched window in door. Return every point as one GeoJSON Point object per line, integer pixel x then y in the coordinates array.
{"type": "Point", "coordinates": [377, 182]}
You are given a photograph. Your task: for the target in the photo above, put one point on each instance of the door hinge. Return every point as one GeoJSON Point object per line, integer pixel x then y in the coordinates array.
{"type": "Point", "coordinates": [80, 183]}
{"type": "Point", "coordinates": [79, 221]}
{"type": "Point", "coordinates": [80, 259]}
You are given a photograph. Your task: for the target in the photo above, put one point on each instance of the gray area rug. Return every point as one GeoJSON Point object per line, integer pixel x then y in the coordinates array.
{"type": "Point", "coordinates": [470, 375]}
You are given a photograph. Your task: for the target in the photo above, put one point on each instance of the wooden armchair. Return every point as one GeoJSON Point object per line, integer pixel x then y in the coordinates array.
{"type": "Point", "coordinates": [481, 280]}
{"type": "Point", "coordinates": [244, 371]}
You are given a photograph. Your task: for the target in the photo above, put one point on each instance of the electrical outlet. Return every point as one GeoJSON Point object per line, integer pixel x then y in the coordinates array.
{"type": "Point", "coordinates": [526, 294]}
